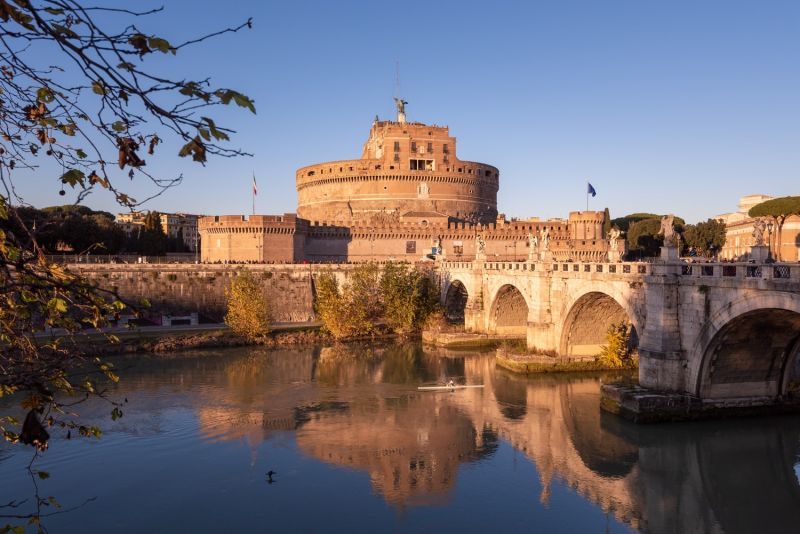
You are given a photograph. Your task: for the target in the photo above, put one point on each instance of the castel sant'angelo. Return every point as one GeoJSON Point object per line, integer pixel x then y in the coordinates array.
{"type": "Point", "coordinates": [409, 197]}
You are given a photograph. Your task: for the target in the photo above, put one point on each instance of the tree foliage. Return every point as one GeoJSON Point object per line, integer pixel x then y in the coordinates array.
{"type": "Point", "coordinates": [616, 352]}
{"type": "Point", "coordinates": [399, 296]}
{"type": "Point", "coordinates": [409, 296]}
{"type": "Point", "coordinates": [607, 223]}
{"type": "Point", "coordinates": [355, 308]}
{"type": "Point", "coordinates": [248, 310]}
{"type": "Point", "coordinates": [80, 97]}
{"type": "Point", "coordinates": [643, 233]}
{"type": "Point", "coordinates": [623, 223]}
{"type": "Point", "coordinates": [776, 207]}
{"type": "Point", "coordinates": [705, 238]}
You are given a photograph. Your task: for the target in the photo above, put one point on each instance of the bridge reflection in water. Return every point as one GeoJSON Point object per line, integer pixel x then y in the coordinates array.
{"type": "Point", "coordinates": [358, 408]}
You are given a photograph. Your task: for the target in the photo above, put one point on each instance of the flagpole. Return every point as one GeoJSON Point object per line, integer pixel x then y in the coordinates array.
{"type": "Point", "coordinates": [253, 192]}
{"type": "Point", "coordinates": [587, 196]}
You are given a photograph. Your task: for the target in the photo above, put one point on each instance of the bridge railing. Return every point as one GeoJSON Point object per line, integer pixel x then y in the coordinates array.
{"type": "Point", "coordinates": [626, 268]}
{"type": "Point", "coordinates": [743, 271]}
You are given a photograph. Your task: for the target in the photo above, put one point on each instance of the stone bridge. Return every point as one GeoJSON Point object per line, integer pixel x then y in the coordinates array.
{"type": "Point", "coordinates": [710, 330]}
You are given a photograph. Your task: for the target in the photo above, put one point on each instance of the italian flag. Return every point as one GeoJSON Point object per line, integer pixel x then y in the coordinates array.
{"type": "Point", "coordinates": [255, 187]}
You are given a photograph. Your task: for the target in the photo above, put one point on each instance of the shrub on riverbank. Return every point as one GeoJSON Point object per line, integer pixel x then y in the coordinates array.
{"type": "Point", "coordinates": [248, 311]}
{"type": "Point", "coordinates": [409, 297]}
{"type": "Point", "coordinates": [616, 352]}
{"type": "Point", "coordinates": [397, 296]}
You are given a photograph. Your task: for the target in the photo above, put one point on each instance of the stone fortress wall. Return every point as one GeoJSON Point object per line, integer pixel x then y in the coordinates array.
{"type": "Point", "coordinates": [180, 289]}
{"type": "Point", "coordinates": [289, 239]}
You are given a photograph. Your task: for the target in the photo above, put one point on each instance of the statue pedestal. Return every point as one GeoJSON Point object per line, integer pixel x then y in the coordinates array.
{"type": "Point", "coordinates": [547, 256]}
{"type": "Point", "coordinates": [614, 256]}
{"type": "Point", "coordinates": [533, 256]}
{"type": "Point", "coordinates": [670, 254]}
{"type": "Point", "coordinates": [759, 253]}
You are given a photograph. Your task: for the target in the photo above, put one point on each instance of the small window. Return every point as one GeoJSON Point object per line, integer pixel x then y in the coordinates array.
{"type": "Point", "coordinates": [445, 149]}
{"type": "Point", "coordinates": [430, 148]}
{"type": "Point", "coordinates": [413, 146]}
{"type": "Point", "coordinates": [397, 146]}
{"type": "Point", "coordinates": [411, 247]}
{"type": "Point", "coordinates": [488, 173]}
{"type": "Point", "coordinates": [421, 164]}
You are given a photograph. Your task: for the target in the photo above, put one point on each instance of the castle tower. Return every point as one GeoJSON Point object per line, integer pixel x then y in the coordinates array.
{"type": "Point", "coordinates": [405, 167]}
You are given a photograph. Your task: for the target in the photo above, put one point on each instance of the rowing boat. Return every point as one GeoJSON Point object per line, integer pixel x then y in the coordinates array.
{"type": "Point", "coordinates": [448, 388]}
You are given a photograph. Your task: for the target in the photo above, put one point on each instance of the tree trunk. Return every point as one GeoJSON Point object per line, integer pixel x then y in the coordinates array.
{"type": "Point", "coordinates": [779, 237]}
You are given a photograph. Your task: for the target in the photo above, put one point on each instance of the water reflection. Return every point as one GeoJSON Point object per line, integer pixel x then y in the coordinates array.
{"type": "Point", "coordinates": [358, 408]}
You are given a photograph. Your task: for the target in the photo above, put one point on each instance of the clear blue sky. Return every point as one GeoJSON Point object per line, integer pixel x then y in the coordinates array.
{"type": "Point", "coordinates": [679, 106]}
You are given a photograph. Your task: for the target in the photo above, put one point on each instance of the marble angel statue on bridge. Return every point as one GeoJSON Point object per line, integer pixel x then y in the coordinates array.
{"type": "Point", "coordinates": [480, 244]}
{"type": "Point", "coordinates": [668, 231]}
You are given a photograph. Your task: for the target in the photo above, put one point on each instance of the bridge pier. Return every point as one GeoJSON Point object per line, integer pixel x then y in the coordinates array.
{"type": "Point", "coordinates": [541, 337]}
{"type": "Point", "coordinates": [662, 360]}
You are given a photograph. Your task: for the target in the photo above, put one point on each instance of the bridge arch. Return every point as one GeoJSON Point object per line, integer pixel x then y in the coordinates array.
{"type": "Point", "coordinates": [588, 318]}
{"type": "Point", "coordinates": [509, 311]}
{"type": "Point", "coordinates": [748, 349]}
{"type": "Point", "coordinates": [455, 301]}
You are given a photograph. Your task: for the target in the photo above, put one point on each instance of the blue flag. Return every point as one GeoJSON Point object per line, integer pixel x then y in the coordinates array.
{"type": "Point", "coordinates": [590, 190]}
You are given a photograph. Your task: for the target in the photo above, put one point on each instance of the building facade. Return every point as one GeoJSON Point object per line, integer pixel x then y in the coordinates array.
{"type": "Point", "coordinates": [739, 230]}
{"type": "Point", "coordinates": [182, 226]}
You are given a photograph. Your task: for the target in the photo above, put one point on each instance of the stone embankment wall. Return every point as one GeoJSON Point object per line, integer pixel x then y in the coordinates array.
{"type": "Point", "coordinates": [181, 289]}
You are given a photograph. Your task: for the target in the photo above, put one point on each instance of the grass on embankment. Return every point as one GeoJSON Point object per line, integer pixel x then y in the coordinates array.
{"type": "Point", "coordinates": [514, 356]}
{"type": "Point", "coordinates": [166, 342]}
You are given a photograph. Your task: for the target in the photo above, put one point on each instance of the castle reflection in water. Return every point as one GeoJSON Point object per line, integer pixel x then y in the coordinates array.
{"type": "Point", "coordinates": [359, 408]}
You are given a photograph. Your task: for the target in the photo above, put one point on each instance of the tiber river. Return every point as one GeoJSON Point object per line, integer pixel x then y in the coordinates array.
{"type": "Point", "coordinates": [357, 448]}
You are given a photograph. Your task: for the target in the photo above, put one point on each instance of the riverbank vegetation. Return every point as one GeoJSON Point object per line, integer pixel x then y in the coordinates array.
{"type": "Point", "coordinates": [248, 310]}
{"type": "Point", "coordinates": [617, 353]}
{"type": "Point", "coordinates": [397, 298]}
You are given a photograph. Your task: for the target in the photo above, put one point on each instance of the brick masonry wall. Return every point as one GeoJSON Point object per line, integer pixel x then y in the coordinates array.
{"type": "Point", "coordinates": [182, 289]}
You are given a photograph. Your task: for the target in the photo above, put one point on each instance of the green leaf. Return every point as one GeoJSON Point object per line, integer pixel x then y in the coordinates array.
{"type": "Point", "coordinates": [162, 45]}
{"type": "Point", "coordinates": [226, 95]}
{"type": "Point", "coordinates": [57, 305]}
{"type": "Point", "coordinates": [218, 135]}
{"type": "Point", "coordinates": [118, 126]}
{"type": "Point", "coordinates": [204, 134]}
{"type": "Point", "coordinates": [44, 475]}
{"type": "Point", "coordinates": [73, 177]}
{"type": "Point", "coordinates": [126, 66]}
{"type": "Point", "coordinates": [54, 11]}
{"type": "Point", "coordinates": [68, 128]}
{"type": "Point", "coordinates": [98, 88]}
{"type": "Point", "coordinates": [81, 154]}
{"type": "Point", "coordinates": [45, 95]}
